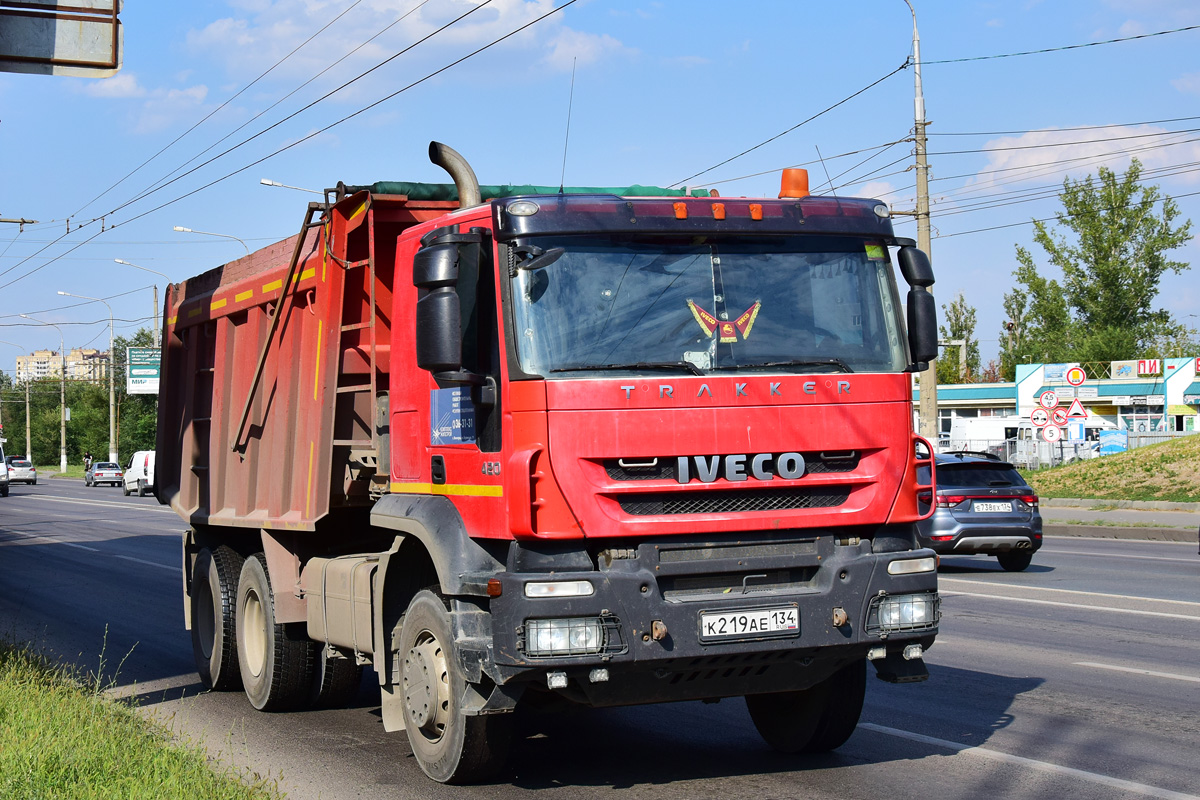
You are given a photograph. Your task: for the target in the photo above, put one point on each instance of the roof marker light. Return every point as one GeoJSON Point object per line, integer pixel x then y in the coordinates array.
{"type": "Point", "coordinates": [718, 211]}
{"type": "Point", "coordinates": [756, 212]}
{"type": "Point", "coordinates": [523, 208]}
{"type": "Point", "coordinates": [680, 210]}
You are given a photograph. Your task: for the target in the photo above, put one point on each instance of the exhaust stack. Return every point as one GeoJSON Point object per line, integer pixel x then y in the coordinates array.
{"type": "Point", "coordinates": [465, 181]}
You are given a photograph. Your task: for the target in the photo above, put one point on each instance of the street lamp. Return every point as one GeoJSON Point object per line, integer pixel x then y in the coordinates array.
{"type": "Point", "coordinates": [157, 341]}
{"type": "Point", "coordinates": [182, 229]}
{"type": "Point", "coordinates": [28, 438]}
{"type": "Point", "coordinates": [112, 363]}
{"type": "Point", "coordinates": [62, 391]}
{"type": "Point", "coordinates": [269, 182]}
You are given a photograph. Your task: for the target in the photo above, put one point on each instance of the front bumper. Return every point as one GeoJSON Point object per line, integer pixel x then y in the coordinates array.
{"type": "Point", "coordinates": [651, 598]}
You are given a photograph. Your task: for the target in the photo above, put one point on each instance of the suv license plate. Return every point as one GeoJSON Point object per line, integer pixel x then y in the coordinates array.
{"type": "Point", "coordinates": [782, 621]}
{"type": "Point", "coordinates": [993, 507]}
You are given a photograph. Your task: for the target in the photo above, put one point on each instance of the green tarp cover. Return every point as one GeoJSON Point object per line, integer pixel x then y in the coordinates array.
{"type": "Point", "coordinates": [447, 191]}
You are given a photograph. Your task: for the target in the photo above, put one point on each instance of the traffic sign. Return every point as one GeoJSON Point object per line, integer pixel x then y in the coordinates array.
{"type": "Point", "coordinates": [1059, 415]}
{"type": "Point", "coordinates": [1049, 399]}
{"type": "Point", "coordinates": [1051, 433]}
{"type": "Point", "coordinates": [1039, 417]}
{"type": "Point", "coordinates": [1076, 376]}
{"type": "Point", "coordinates": [1077, 409]}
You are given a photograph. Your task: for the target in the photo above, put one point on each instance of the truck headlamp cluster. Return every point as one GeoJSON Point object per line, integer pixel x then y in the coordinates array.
{"type": "Point", "coordinates": [559, 589]}
{"type": "Point", "coordinates": [912, 566]}
{"type": "Point", "coordinates": [902, 612]}
{"type": "Point", "coordinates": [564, 637]}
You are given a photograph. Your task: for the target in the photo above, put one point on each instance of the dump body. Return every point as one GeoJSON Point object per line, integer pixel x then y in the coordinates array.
{"type": "Point", "coordinates": [628, 439]}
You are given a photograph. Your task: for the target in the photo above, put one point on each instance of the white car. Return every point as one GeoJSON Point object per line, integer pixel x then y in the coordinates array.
{"type": "Point", "coordinates": [139, 474]}
{"type": "Point", "coordinates": [20, 470]}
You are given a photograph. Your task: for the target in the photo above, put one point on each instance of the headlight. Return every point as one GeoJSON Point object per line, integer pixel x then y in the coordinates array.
{"type": "Point", "coordinates": [902, 612]}
{"type": "Point", "coordinates": [910, 566]}
{"type": "Point", "coordinates": [559, 589]}
{"type": "Point", "coordinates": [564, 637]}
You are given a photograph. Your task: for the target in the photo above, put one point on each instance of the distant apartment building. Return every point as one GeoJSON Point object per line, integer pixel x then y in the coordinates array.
{"type": "Point", "coordinates": [81, 364]}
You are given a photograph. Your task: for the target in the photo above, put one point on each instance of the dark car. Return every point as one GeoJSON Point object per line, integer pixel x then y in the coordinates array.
{"type": "Point", "coordinates": [983, 507]}
{"type": "Point", "coordinates": [104, 472]}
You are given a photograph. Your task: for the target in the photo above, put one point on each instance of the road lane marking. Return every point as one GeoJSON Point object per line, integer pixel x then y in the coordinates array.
{"type": "Point", "coordinates": [1115, 555]}
{"type": "Point", "coordinates": [997, 584]}
{"type": "Point", "coordinates": [47, 540]}
{"type": "Point", "coordinates": [1150, 672]}
{"type": "Point", "coordinates": [107, 504]}
{"type": "Point", "coordinates": [147, 563]}
{"type": "Point", "coordinates": [1076, 606]}
{"type": "Point", "coordinates": [1044, 766]}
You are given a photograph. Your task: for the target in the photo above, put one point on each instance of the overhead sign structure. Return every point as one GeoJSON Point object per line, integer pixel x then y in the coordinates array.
{"type": "Point", "coordinates": [1039, 417]}
{"type": "Point", "coordinates": [1059, 415]}
{"type": "Point", "coordinates": [1051, 433]}
{"type": "Point", "coordinates": [1048, 399]}
{"type": "Point", "coordinates": [82, 38]}
{"type": "Point", "coordinates": [142, 369]}
{"type": "Point", "coordinates": [1076, 376]}
{"type": "Point", "coordinates": [1077, 410]}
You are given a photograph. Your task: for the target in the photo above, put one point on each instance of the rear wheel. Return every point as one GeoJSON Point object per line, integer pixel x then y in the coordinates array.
{"type": "Point", "coordinates": [214, 598]}
{"type": "Point", "coordinates": [276, 666]}
{"type": "Point", "coordinates": [813, 720]}
{"type": "Point", "coordinates": [450, 746]}
{"type": "Point", "coordinates": [336, 681]}
{"type": "Point", "coordinates": [1015, 560]}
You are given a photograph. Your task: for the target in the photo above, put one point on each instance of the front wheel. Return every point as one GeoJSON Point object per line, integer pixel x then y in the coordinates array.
{"type": "Point", "coordinates": [449, 746]}
{"type": "Point", "coordinates": [276, 666]}
{"type": "Point", "coordinates": [125, 489]}
{"type": "Point", "coordinates": [1015, 560]}
{"type": "Point", "coordinates": [813, 720]}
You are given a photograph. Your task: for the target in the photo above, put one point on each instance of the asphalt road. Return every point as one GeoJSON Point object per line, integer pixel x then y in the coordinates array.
{"type": "Point", "coordinates": [1077, 678]}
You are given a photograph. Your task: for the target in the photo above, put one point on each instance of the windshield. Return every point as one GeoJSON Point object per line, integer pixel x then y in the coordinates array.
{"type": "Point", "coordinates": [798, 304]}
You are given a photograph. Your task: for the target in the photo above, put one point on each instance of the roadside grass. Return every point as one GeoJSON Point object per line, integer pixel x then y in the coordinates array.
{"type": "Point", "coordinates": [1169, 472]}
{"type": "Point", "coordinates": [61, 737]}
{"type": "Point", "coordinates": [51, 470]}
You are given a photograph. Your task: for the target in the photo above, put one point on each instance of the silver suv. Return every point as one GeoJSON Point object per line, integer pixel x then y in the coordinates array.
{"type": "Point", "coordinates": [982, 507]}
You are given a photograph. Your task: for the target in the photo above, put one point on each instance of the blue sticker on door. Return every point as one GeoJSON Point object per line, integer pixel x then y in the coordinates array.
{"type": "Point", "coordinates": [452, 416]}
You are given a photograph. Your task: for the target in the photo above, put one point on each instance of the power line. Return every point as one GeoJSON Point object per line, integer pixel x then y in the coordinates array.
{"type": "Point", "coordinates": [794, 127]}
{"type": "Point", "coordinates": [1064, 47]}
{"type": "Point", "coordinates": [1073, 128]}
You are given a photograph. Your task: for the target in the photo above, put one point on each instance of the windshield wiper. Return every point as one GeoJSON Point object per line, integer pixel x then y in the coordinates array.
{"type": "Point", "coordinates": [811, 362]}
{"type": "Point", "coordinates": [684, 365]}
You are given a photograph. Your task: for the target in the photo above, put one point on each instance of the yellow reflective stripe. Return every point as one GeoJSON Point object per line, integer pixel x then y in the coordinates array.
{"type": "Point", "coordinates": [172, 320]}
{"type": "Point", "coordinates": [308, 494]}
{"type": "Point", "coordinates": [454, 489]}
{"type": "Point", "coordinates": [303, 276]}
{"type": "Point", "coordinates": [317, 372]}
{"type": "Point", "coordinates": [194, 312]}
{"type": "Point", "coordinates": [218, 304]}
{"type": "Point", "coordinates": [272, 286]}
{"type": "Point", "coordinates": [358, 210]}
{"type": "Point", "coordinates": [246, 295]}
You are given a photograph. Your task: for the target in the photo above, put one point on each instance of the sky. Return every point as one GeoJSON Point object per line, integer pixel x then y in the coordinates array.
{"type": "Point", "coordinates": [214, 95]}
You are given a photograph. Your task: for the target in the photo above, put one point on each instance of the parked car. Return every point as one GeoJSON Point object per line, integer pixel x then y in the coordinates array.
{"type": "Point", "coordinates": [139, 474]}
{"type": "Point", "coordinates": [20, 470]}
{"type": "Point", "coordinates": [982, 507]}
{"type": "Point", "coordinates": [103, 472]}
{"type": "Point", "coordinates": [3, 473]}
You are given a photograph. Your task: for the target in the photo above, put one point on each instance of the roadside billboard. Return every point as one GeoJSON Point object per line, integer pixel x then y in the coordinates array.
{"type": "Point", "coordinates": [141, 370]}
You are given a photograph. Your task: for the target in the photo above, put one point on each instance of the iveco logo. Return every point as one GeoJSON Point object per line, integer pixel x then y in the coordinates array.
{"type": "Point", "coordinates": [740, 467]}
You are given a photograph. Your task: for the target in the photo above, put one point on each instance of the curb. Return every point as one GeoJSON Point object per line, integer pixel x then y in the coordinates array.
{"type": "Point", "coordinates": [1150, 505]}
{"type": "Point", "coordinates": [1114, 532]}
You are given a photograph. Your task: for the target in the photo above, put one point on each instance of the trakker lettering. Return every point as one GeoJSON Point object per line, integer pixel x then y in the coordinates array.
{"type": "Point", "coordinates": [740, 467]}
{"type": "Point", "coordinates": [774, 389]}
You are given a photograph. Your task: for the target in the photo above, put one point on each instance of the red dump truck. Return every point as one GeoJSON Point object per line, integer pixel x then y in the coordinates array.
{"type": "Point", "coordinates": [514, 444]}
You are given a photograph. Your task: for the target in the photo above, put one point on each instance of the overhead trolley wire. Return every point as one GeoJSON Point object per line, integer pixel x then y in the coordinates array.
{"type": "Point", "coordinates": [1064, 47]}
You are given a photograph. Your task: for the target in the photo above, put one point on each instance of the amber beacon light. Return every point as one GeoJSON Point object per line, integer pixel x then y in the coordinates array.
{"type": "Point", "coordinates": [794, 183]}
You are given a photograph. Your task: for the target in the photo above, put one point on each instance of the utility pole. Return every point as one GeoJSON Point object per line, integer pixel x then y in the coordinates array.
{"type": "Point", "coordinates": [928, 412]}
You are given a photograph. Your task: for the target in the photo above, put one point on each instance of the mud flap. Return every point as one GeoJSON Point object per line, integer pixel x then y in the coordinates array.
{"type": "Point", "coordinates": [896, 669]}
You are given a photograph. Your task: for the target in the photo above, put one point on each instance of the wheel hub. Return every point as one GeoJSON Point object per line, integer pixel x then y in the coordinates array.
{"type": "Point", "coordinates": [426, 684]}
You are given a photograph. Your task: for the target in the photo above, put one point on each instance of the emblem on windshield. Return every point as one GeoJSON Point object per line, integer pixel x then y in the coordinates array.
{"type": "Point", "coordinates": [729, 330]}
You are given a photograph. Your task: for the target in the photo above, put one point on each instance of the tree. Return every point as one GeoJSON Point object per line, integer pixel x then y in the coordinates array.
{"type": "Point", "coordinates": [1110, 245]}
{"type": "Point", "coordinates": [960, 325]}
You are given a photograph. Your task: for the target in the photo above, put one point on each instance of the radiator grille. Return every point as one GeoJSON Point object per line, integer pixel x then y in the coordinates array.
{"type": "Point", "coordinates": [730, 502]}
{"type": "Point", "coordinates": [664, 469]}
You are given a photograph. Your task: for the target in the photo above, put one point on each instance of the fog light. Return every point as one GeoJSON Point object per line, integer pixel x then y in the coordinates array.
{"type": "Point", "coordinates": [900, 612]}
{"type": "Point", "coordinates": [559, 589]}
{"type": "Point", "coordinates": [556, 680]}
{"type": "Point", "coordinates": [563, 637]}
{"type": "Point", "coordinates": [912, 651]}
{"type": "Point", "coordinates": [876, 653]}
{"type": "Point", "coordinates": [911, 566]}
{"type": "Point", "coordinates": [599, 675]}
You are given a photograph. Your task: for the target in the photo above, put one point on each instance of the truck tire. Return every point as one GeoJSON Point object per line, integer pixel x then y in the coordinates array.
{"type": "Point", "coordinates": [214, 598]}
{"type": "Point", "coordinates": [276, 665]}
{"type": "Point", "coordinates": [813, 720]}
{"type": "Point", "coordinates": [449, 746]}
{"type": "Point", "coordinates": [1015, 560]}
{"type": "Point", "coordinates": [336, 682]}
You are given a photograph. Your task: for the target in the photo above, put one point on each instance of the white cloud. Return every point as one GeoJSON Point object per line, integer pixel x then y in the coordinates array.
{"type": "Point", "coordinates": [880, 190]}
{"type": "Point", "coordinates": [1046, 156]}
{"type": "Point", "coordinates": [570, 46]}
{"type": "Point", "coordinates": [1188, 84]}
{"type": "Point", "coordinates": [1131, 28]}
{"type": "Point", "coordinates": [165, 107]}
{"type": "Point", "coordinates": [121, 85]}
